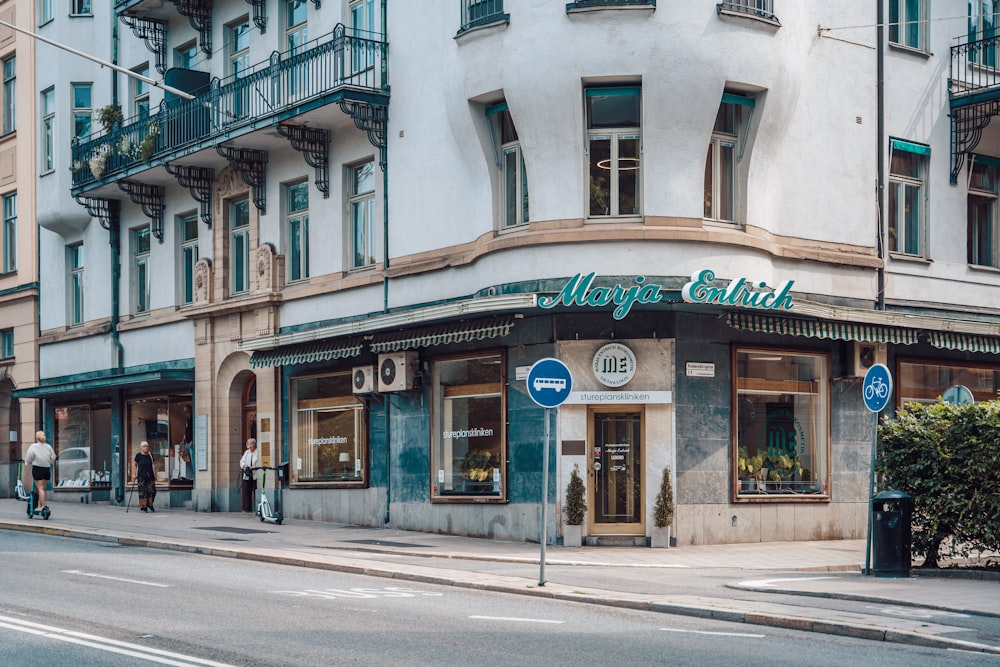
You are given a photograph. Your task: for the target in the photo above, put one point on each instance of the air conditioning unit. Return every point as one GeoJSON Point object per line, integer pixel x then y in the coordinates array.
{"type": "Point", "coordinates": [363, 379]}
{"type": "Point", "coordinates": [398, 371]}
{"type": "Point", "coordinates": [864, 355]}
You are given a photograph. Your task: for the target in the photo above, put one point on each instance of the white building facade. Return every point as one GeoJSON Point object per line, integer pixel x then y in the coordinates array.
{"type": "Point", "coordinates": [373, 217]}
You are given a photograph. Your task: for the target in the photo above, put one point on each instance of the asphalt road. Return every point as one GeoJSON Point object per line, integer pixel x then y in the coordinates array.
{"type": "Point", "coordinates": [82, 603]}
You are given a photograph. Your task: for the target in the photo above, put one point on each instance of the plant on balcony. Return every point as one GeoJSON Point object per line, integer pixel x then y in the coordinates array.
{"type": "Point", "coordinates": [109, 115]}
{"type": "Point", "coordinates": [98, 162]}
{"type": "Point", "coordinates": [148, 145]}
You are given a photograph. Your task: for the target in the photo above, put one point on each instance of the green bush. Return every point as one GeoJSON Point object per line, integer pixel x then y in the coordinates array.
{"type": "Point", "coordinates": [575, 506]}
{"type": "Point", "coordinates": [947, 457]}
{"type": "Point", "coordinates": [663, 508]}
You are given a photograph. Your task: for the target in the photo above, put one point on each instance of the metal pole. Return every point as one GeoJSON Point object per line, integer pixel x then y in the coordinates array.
{"type": "Point", "coordinates": [545, 497]}
{"type": "Point", "coordinates": [871, 494]}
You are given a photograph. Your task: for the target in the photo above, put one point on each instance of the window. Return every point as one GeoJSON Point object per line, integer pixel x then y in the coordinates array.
{"type": "Point", "coordinates": [140, 270]}
{"type": "Point", "coordinates": [907, 170]}
{"type": "Point", "coordinates": [724, 152]}
{"type": "Point", "coordinates": [239, 246]}
{"type": "Point", "coordinates": [782, 410]}
{"type": "Point", "coordinates": [139, 93]}
{"type": "Point", "coordinates": [983, 28]}
{"type": "Point", "coordinates": [186, 55]}
{"type": "Point", "coordinates": [188, 236]}
{"type": "Point", "coordinates": [468, 458]}
{"type": "Point", "coordinates": [927, 381]}
{"type": "Point", "coordinates": [80, 8]}
{"type": "Point", "coordinates": [329, 432]}
{"type": "Point", "coordinates": [74, 255]}
{"type": "Point", "coordinates": [907, 19]}
{"type": "Point", "coordinates": [9, 232]}
{"type": "Point", "coordinates": [7, 344]}
{"type": "Point", "coordinates": [165, 423]}
{"type": "Point", "coordinates": [613, 143]}
{"type": "Point", "coordinates": [45, 11]}
{"type": "Point", "coordinates": [296, 36]}
{"type": "Point", "coordinates": [982, 212]}
{"type": "Point", "coordinates": [9, 94]}
{"type": "Point", "coordinates": [238, 44]}
{"type": "Point", "coordinates": [513, 179]}
{"type": "Point", "coordinates": [363, 25]}
{"type": "Point", "coordinates": [83, 110]}
{"type": "Point", "coordinates": [476, 13]}
{"type": "Point", "coordinates": [48, 118]}
{"type": "Point", "coordinates": [362, 207]}
{"type": "Point", "coordinates": [297, 216]}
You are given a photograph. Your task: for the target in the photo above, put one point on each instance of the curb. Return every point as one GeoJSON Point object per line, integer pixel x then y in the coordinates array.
{"type": "Point", "coordinates": [570, 594]}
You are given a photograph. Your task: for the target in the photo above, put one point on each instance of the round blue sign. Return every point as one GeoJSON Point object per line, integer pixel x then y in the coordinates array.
{"type": "Point", "coordinates": [549, 382]}
{"type": "Point", "coordinates": [877, 388]}
{"type": "Point", "coordinates": [957, 395]}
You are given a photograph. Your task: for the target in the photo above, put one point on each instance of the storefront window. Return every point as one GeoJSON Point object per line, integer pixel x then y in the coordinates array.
{"type": "Point", "coordinates": [925, 382]}
{"type": "Point", "coordinates": [468, 457]}
{"type": "Point", "coordinates": [329, 443]}
{"type": "Point", "coordinates": [165, 423]}
{"type": "Point", "coordinates": [782, 425]}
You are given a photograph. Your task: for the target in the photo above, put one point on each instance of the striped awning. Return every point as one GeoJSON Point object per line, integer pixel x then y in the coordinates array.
{"type": "Point", "coordinates": [443, 335]}
{"type": "Point", "coordinates": [306, 353]}
{"type": "Point", "coordinates": [965, 342]}
{"type": "Point", "coordinates": [822, 328]}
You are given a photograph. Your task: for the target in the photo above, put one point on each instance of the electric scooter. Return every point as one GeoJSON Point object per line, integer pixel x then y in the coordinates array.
{"type": "Point", "coordinates": [32, 498]}
{"type": "Point", "coordinates": [264, 510]}
{"type": "Point", "coordinates": [19, 491]}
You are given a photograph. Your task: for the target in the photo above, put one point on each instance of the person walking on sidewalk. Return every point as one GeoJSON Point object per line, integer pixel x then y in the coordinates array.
{"type": "Point", "coordinates": [249, 461]}
{"type": "Point", "coordinates": [144, 474]}
{"type": "Point", "coordinates": [40, 457]}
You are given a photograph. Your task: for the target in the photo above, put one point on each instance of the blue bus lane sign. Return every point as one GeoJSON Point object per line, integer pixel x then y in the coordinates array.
{"type": "Point", "coordinates": [549, 382]}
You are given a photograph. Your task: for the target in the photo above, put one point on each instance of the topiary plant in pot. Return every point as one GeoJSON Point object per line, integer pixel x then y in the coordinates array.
{"type": "Point", "coordinates": [663, 513]}
{"type": "Point", "coordinates": [575, 510]}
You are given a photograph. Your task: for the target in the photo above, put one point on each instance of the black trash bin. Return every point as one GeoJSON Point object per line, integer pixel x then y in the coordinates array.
{"type": "Point", "coordinates": [892, 512]}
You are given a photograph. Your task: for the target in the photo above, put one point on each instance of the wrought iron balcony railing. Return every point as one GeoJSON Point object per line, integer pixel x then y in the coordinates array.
{"type": "Point", "coordinates": [973, 68]}
{"type": "Point", "coordinates": [761, 9]}
{"type": "Point", "coordinates": [343, 65]}
{"type": "Point", "coordinates": [595, 4]}
{"type": "Point", "coordinates": [476, 13]}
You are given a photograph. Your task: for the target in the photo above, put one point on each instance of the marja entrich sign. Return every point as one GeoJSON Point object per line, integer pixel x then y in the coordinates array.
{"type": "Point", "coordinates": [741, 292]}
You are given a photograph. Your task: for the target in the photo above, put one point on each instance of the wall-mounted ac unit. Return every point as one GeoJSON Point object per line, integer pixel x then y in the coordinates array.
{"type": "Point", "coordinates": [398, 371]}
{"type": "Point", "coordinates": [864, 355]}
{"type": "Point", "coordinates": [363, 379]}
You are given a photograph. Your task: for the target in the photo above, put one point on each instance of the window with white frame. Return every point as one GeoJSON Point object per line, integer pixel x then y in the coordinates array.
{"type": "Point", "coordinates": [80, 8]}
{"type": "Point", "coordinates": [613, 145]}
{"type": "Point", "coordinates": [468, 452]}
{"type": "Point", "coordinates": [186, 55]}
{"type": "Point", "coordinates": [83, 110]}
{"type": "Point", "coordinates": [10, 232]}
{"type": "Point", "coordinates": [982, 212]}
{"type": "Point", "coordinates": [513, 179]}
{"type": "Point", "coordinates": [297, 221]}
{"type": "Point", "coordinates": [74, 261]}
{"type": "Point", "coordinates": [139, 93]}
{"type": "Point", "coordinates": [983, 28]}
{"type": "Point", "coordinates": [48, 110]}
{"type": "Point", "coordinates": [9, 94]}
{"type": "Point", "coordinates": [6, 344]}
{"type": "Point", "coordinates": [239, 246]}
{"type": "Point", "coordinates": [907, 171]}
{"type": "Point", "coordinates": [362, 14]}
{"type": "Point", "coordinates": [362, 207]}
{"type": "Point", "coordinates": [45, 11]}
{"type": "Point", "coordinates": [907, 23]}
{"type": "Point", "coordinates": [328, 431]}
{"type": "Point", "coordinates": [188, 239]}
{"type": "Point", "coordinates": [721, 165]}
{"type": "Point", "coordinates": [140, 270]}
{"type": "Point", "coordinates": [782, 407]}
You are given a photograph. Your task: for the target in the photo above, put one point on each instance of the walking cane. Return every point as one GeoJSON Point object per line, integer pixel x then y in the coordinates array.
{"type": "Point", "coordinates": [131, 491]}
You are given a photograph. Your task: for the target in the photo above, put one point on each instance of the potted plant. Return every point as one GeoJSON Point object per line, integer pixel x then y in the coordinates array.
{"type": "Point", "coordinates": [783, 469]}
{"type": "Point", "coordinates": [750, 470]}
{"type": "Point", "coordinates": [477, 469]}
{"type": "Point", "coordinates": [663, 513]}
{"type": "Point", "coordinates": [109, 115]}
{"type": "Point", "coordinates": [575, 509]}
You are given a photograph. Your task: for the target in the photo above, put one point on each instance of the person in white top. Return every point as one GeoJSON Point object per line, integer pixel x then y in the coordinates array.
{"type": "Point", "coordinates": [249, 461]}
{"type": "Point", "coordinates": [40, 457]}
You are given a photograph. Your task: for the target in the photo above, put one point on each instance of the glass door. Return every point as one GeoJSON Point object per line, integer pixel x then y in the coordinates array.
{"type": "Point", "coordinates": [616, 473]}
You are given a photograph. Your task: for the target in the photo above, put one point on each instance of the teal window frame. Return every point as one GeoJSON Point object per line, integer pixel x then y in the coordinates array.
{"type": "Point", "coordinates": [9, 94]}
{"type": "Point", "coordinates": [362, 213]}
{"type": "Point", "coordinates": [140, 269]}
{"type": "Point", "coordinates": [48, 109]}
{"type": "Point", "coordinates": [297, 224]}
{"type": "Point", "coordinates": [6, 344]}
{"type": "Point", "coordinates": [75, 303]}
{"type": "Point", "coordinates": [907, 192]}
{"type": "Point", "coordinates": [239, 246]}
{"type": "Point", "coordinates": [187, 235]}
{"type": "Point", "coordinates": [82, 99]}
{"type": "Point", "coordinates": [9, 232]}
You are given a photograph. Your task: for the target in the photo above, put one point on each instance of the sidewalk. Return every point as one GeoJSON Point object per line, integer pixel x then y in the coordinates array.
{"type": "Point", "coordinates": [632, 577]}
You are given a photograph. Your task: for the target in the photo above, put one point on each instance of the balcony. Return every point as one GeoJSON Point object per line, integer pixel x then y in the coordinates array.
{"type": "Point", "coordinates": [761, 10]}
{"type": "Point", "coordinates": [480, 13]}
{"type": "Point", "coordinates": [342, 68]}
{"type": "Point", "coordinates": [973, 95]}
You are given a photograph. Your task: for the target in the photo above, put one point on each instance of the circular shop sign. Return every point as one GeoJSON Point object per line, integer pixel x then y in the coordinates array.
{"type": "Point", "coordinates": [614, 365]}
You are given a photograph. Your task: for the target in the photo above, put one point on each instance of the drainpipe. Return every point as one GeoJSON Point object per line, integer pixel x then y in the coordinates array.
{"type": "Point", "coordinates": [385, 255]}
{"type": "Point", "coordinates": [880, 153]}
{"type": "Point", "coordinates": [116, 245]}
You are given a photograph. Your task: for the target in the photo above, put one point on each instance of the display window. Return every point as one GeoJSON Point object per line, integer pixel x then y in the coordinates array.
{"type": "Point", "coordinates": [930, 381]}
{"type": "Point", "coordinates": [82, 440]}
{"type": "Point", "coordinates": [781, 448]}
{"type": "Point", "coordinates": [469, 455]}
{"type": "Point", "coordinates": [165, 423]}
{"type": "Point", "coordinates": [329, 432]}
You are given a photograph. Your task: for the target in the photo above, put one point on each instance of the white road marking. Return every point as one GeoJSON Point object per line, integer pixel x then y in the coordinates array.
{"type": "Point", "coordinates": [105, 644]}
{"type": "Point", "coordinates": [514, 619]}
{"type": "Point", "coordinates": [105, 576]}
{"type": "Point", "coordinates": [362, 593]}
{"type": "Point", "coordinates": [767, 583]}
{"type": "Point", "coordinates": [911, 612]}
{"type": "Point", "coordinates": [722, 634]}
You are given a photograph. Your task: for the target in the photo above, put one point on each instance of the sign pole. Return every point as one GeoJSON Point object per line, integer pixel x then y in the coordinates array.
{"type": "Point", "coordinates": [871, 493]}
{"type": "Point", "coordinates": [545, 498]}
{"type": "Point", "coordinates": [875, 392]}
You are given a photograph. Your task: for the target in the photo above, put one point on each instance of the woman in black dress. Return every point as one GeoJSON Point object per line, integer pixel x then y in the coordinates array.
{"type": "Point", "coordinates": [144, 474]}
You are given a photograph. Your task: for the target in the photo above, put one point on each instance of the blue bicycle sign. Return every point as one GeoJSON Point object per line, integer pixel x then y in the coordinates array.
{"type": "Point", "coordinates": [877, 388]}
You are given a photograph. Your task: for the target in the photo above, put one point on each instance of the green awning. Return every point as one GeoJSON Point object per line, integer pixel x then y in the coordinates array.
{"type": "Point", "coordinates": [306, 353]}
{"type": "Point", "coordinates": [126, 380]}
{"type": "Point", "coordinates": [910, 147]}
{"type": "Point", "coordinates": [964, 342]}
{"type": "Point", "coordinates": [835, 330]}
{"type": "Point", "coordinates": [460, 332]}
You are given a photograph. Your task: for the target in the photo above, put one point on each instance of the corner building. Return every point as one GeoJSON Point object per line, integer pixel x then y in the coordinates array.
{"type": "Point", "coordinates": [374, 217]}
